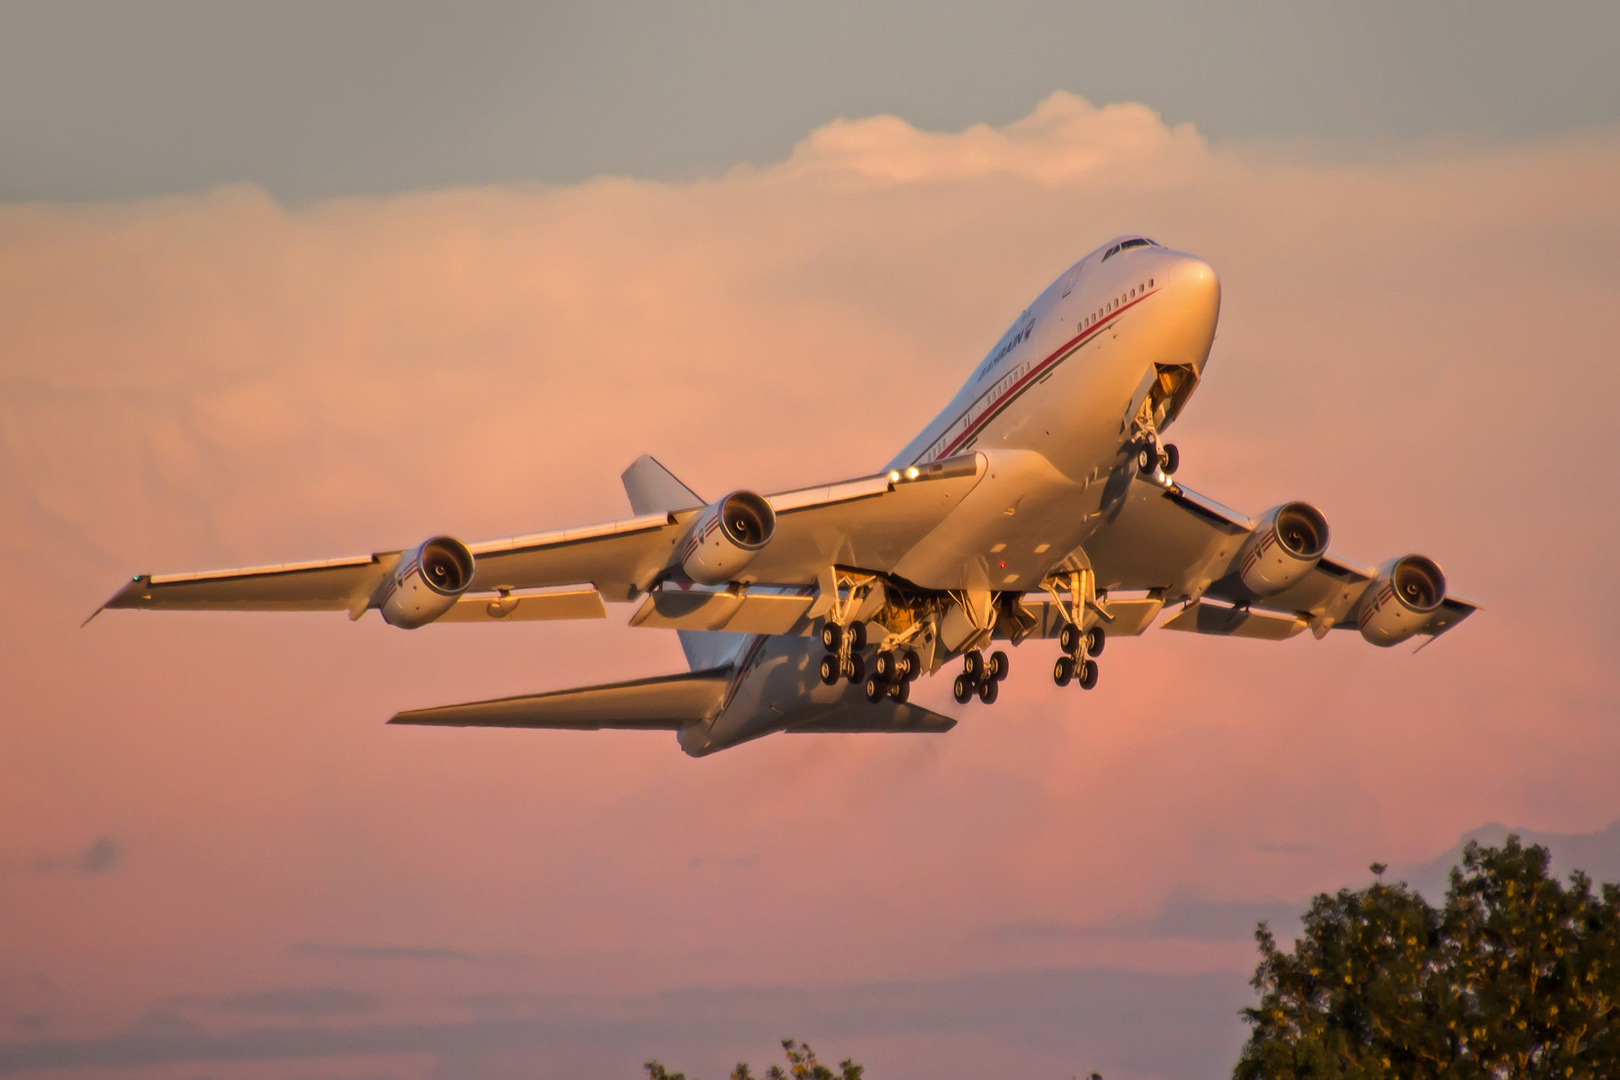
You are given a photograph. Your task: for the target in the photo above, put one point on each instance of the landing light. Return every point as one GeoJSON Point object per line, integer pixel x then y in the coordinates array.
{"type": "Point", "coordinates": [894, 476]}
{"type": "Point", "coordinates": [912, 473]}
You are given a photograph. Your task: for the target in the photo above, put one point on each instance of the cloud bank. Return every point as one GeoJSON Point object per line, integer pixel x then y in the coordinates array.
{"type": "Point", "coordinates": [1419, 346]}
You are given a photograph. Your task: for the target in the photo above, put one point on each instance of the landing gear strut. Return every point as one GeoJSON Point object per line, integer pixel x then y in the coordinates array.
{"type": "Point", "coordinates": [1078, 645]}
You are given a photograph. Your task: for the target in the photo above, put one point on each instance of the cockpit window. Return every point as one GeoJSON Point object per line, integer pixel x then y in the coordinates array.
{"type": "Point", "coordinates": [1140, 241]}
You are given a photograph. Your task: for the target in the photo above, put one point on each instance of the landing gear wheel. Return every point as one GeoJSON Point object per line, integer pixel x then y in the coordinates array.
{"type": "Point", "coordinates": [963, 689]}
{"type": "Point", "coordinates": [900, 691]}
{"type": "Point", "coordinates": [1172, 459]}
{"type": "Point", "coordinates": [988, 691]}
{"type": "Point", "coordinates": [1069, 639]}
{"type": "Point", "coordinates": [997, 669]}
{"type": "Point", "coordinates": [884, 666]}
{"type": "Point", "coordinates": [1147, 459]}
{"type": "Point", "coordinates": [910, 665]}
{"type": "Point", "coordinates": [973, 664]}
{"type": "Point", "coordinates": [875, 689]}
{"type": "Point", "coordinates": [1088, 677]}
{"type": "Point", "coordinates": [857, 636]}
{"type": "Point", "coordinates": [1096, 637]}
{"type": "Point", "coordinates": [1063, 670]}
{"type": "Point", "coordinates": [830, 670]}
{"type": "Point", "coordinates": [855, 668]}
{"type": "Point", "coordinates": [832, 636]}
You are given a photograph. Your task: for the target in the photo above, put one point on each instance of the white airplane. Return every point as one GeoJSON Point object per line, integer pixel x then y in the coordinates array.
{"type": "Point", "coordinates": [1039, 504]}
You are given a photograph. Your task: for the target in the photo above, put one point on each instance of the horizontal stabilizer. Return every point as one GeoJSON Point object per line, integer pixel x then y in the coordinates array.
{"type": "Point", "coordinates": [885, 716]}
{"type": "Point", "coordinates": [665, 703]}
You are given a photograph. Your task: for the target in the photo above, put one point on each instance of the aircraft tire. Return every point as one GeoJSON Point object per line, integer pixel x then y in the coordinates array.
{"type": "Point", "coordinates": [973, 664]}
{"type": "Point", "coordinates": [1063, 670]}
{"type": "Point", "coordinates": [875, 689]}
{"type": "Point", "coordinates": [911, 665]}
{"type": "Point", "coordinates": [1088, 677]}
{"type": "Point", "coordinates": [830, 670]}
{"type": "Point", "coordinates": [1146, 460]}
{"type": "Point", "coordinates": [857, 668]}
{"type": "Point", "coordinates": [963, 689]}
{"type": "Point", "coordinates": [1096, 638]}
{"type": "Point", "coordinates": [988, 691]}
{"type": "Point", "coordinates": [900, 691]}
{"type": "Point", "coordinates": [857, 635]}
{"type": "Point", "coordinates": [1172, 459]}
{"type": "Point", "coordinates": [1069, 639]}
{"type": "Point", "coordinates": [998, 666]}
{"type": "Point", "coordinates": [832, 636]}
{"type": "Point", "coordinates": [884, 665]}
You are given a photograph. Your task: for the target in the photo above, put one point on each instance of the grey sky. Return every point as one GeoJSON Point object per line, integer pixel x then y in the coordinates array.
{"type": "Point", "coordinates": [112, 101]}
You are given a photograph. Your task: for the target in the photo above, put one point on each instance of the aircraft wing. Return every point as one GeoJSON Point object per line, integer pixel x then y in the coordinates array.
{"type": "Point", "coordinates": [1177, 544]}
{"type": "Point", "coordinates": [870, 522]}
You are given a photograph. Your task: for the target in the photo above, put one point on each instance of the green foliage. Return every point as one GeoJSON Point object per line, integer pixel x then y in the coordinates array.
{"type": "Point", "coordinates": [802, 1065]}
{"type": "Point", "coordinates": [1516, 976]}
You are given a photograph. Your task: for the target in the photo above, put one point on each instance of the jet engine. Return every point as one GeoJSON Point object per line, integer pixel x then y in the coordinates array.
{"type": "Point", "coordinates": [428, 581]}
{"type": "Point", "coordinates": [1284, 547]}
{"type": "Point", "coordinates": [726, 537]}
{"type": "Point", "coordinates": [1400, 600]}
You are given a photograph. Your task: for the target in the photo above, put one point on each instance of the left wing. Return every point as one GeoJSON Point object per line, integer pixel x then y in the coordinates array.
{"type": "Point", "coordinates": [870, 522]}
{"type": "Point", "coordinates": [1182, 546]}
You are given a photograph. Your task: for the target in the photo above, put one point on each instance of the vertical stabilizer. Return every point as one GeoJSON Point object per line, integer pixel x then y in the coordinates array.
{"type": "Point", "coordinates": [653, 489]}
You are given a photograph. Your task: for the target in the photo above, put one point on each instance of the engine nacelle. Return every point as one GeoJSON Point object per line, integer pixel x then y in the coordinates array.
{"type": "Point", "coordinates": [726, 537]}
{"type": "Point", "coordinates": [428, 581]}
{"type": "Point", "coordinates": [1400, 600]}
{"type": "Point", "coordinates": [1287, 544]}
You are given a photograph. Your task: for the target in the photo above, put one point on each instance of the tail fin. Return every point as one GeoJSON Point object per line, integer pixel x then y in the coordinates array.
{"type": "Point", "coordinates": [653, 489]}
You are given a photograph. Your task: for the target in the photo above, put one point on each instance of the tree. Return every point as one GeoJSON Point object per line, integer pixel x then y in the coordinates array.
{"type": "Point", "coordinates": [802, 1065]}
{"type": "Point", "coordinates": [1515, 977]}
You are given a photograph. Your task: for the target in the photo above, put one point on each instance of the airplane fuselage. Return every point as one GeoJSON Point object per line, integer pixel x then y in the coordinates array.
{"type": "Point", "coordinates": [1105, 357]}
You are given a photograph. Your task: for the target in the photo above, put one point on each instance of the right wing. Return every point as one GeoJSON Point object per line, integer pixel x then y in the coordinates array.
{"type": "Point", "coordinates": [869, 522]}
{"type": "Point", "coordinates": [1176, 544]}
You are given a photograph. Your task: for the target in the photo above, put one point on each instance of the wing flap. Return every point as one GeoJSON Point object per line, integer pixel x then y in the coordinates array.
{"type": "Point", "coordinates": [577, 603]}
{"type": "Point", "coordinates": [664, 703]}
{"type": "Point", "coordinates": [751, 611]}
{"type": "Point", "coordinates": [1203, 617]}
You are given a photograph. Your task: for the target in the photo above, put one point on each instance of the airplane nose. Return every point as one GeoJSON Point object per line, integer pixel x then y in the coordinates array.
{"type": "Point", "coordinates": [1195, 293]}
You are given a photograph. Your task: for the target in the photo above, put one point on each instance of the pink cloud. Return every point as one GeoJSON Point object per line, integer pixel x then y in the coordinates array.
{"type": "Point", "coordinates": [1422, 346]}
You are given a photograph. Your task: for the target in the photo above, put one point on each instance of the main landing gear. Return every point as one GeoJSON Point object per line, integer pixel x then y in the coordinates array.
{"type": "Point", "coordinates": [892, 670]}
{"type": "Point", "coordinates": [1076, 665]}
{"type": "Point", "coordinates": [892, 675]}
{"type": "Point", "coordinates": [980, 676]}
{"type": "Point", "coordinates": [843, 659]}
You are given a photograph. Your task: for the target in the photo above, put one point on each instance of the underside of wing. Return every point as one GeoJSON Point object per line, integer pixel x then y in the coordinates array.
{"type": "Point", "coordinates": [884, 716]}
{"type": "Point", "coordinates": [869, 522]}
{"type": "Point", "coordinates": [665, 703]}
{"type": "Point", "coordinates": [329, 585]}
{"type": "Point", "coordinates": [1268, 577]}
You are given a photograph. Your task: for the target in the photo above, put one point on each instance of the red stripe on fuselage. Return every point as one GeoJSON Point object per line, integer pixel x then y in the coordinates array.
{"type": "Point", "coordinates": [1033, 373]}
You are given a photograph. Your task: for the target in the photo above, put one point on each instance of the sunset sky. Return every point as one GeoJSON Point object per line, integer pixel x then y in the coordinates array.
{"type": "Point", "coordinates": [316, 285]}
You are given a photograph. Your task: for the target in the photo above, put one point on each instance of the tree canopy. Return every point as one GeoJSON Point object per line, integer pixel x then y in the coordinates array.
{"type": "Point", "coordinates": [802, 1065]}
{"type": "Point", "coordinates": [1514, 976]}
